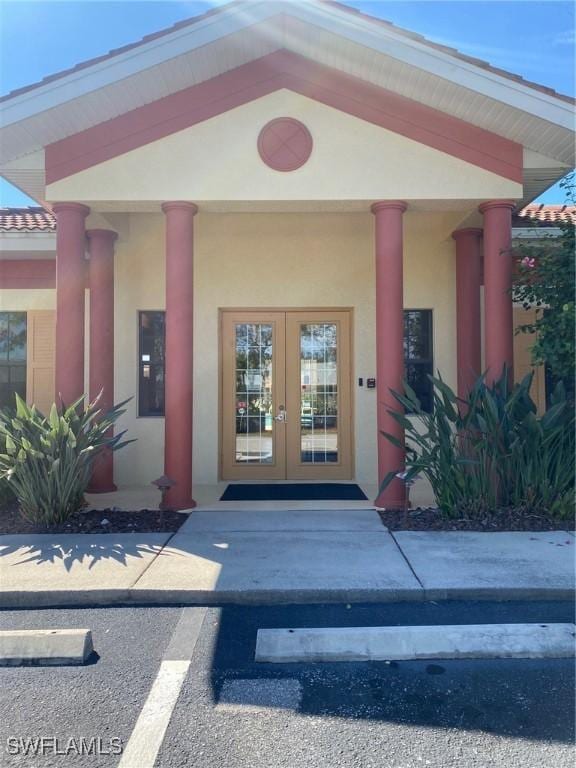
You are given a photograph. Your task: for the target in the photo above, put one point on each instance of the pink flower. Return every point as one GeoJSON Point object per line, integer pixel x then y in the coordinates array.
{"type": "Point", "coordinates": [529, 262]}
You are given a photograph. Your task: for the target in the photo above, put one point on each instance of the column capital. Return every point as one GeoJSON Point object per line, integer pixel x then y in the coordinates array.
{"type": "Point", "coordinates": [383, 205]}
{"type": "Point", "coordinates": [496, 204]}
{"type": "Point", "coordinates": [84, 210]}
{"type": "Point", "coordinates": [181, 205]}
{"type": "Point", "coordinates": [103, 234]}
{"type": "Point", "coordinates": [467, 232]}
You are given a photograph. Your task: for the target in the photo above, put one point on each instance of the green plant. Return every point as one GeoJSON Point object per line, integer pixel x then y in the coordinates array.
{"type": "Point", "coordinates": [6, 495]}
{"type": "Point", "coordinates": [491, 450]}
{"type": "Point", "coordinates": [47, 461]}
{"type": "Point", "coordinates": [546, 280]}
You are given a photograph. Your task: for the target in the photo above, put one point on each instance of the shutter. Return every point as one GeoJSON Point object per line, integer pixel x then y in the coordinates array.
{"type": "Point", "coordinates": [41, 326]}
{"type": "Point", "coordinates": [523, 358]}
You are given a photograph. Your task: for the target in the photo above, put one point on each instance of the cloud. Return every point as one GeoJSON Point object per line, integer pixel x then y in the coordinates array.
{"type": "Point", "coordinates": [567, 37]}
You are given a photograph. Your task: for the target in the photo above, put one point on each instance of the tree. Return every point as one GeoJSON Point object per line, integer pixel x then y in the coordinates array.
{"type": "Point", "coordinates": [546, 281]}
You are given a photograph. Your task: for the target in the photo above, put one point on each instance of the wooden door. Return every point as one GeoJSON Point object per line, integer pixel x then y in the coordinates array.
{"type": "Point", "coordinates": [286, 398]}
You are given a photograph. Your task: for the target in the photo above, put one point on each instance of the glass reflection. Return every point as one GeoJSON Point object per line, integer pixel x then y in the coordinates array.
{"type": "Point", "coordinates": [254, 417]}
{"type": "Point", "coordinates": [319, 393]}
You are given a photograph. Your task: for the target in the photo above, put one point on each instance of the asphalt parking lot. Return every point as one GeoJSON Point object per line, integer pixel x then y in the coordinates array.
{"type": "Point", "coordinates": [233, 712]}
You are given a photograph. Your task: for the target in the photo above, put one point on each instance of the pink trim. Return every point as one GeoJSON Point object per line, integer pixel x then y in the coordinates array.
{"type": "Point", "coordinates": [285, 144]}
{"type": "Point", "coordinates": [258, 78]}
{"type": "Point", "coordinates": [180, 206]}
{"type": "Point", "coordinates": [483, 207]}
{"type": "Point", "coordinates": [29, 273]}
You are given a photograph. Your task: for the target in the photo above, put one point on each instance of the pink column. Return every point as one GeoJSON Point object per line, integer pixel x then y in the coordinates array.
{"type": "Point", "coordinates": [468, 280]}
{"type": "Point", "coordinates": [179, 359]}
{"type": "Point", "coordinates": [498, 322]}
{"type": "Point", "coordinates": [70, 285]}
{"type": "Point", "coordinates": [389, 342]}
{"type": "Point", "coordinates": [101, 271]}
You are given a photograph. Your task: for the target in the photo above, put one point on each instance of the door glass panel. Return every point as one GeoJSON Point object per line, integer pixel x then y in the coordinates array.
{"type": "Point", "coordinates": [319, 393]}
{"type": "Point", "coordinates": [254, 415]}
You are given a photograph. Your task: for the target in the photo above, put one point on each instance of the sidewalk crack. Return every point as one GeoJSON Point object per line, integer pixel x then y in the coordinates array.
{"type": "Point", "coordinates": [408, 563]}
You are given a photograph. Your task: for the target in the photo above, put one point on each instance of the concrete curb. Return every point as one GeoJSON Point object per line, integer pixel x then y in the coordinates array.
{"type": "Point", "coordinates": [45, 647]}
{"type": "Point", "coordinates": [110, 597]}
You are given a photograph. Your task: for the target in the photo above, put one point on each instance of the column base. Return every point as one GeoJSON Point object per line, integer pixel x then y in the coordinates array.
{"type": "Point", "coordinates": [176, 504]}
{"type": "Point", "coordinates": [391, 498]}
{"type": "Point", "coordinates": [103, 489]}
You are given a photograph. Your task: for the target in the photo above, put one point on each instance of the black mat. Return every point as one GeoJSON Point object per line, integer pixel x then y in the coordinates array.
{"type": "Point", "coordinates": [294, 492]}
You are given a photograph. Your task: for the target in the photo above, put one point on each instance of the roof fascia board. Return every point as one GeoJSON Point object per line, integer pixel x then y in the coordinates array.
{"type": "Point", "coordinates": [22, 240]}
{"type": "Point", "coordinates": [437, 62]}
{"type": "Point", "coordinates": [133, 61]}
{"type": "Point", "coordinates": [535, 233]}
{"type": "Point", "coordinates": [361, 31]}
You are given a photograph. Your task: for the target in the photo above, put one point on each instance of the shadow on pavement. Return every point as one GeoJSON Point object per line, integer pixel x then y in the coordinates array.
{"type": "Point", "coordinates": [529, 699]}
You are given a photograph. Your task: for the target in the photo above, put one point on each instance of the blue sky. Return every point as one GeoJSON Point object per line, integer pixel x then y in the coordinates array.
{"type": "Point", "coordinates": [534, 39]}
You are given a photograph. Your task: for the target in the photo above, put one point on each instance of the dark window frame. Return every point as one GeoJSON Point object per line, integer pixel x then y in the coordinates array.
{"type": "Point", "coordinates": [144, 412]}
{"type": "Point", "coordinates": [426, 363]}
{"type": "Point", "coordinates": [12, 365]}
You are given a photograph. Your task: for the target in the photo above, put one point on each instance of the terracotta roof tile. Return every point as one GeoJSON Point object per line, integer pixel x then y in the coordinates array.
{"type": "Point", "coordinates": [341, 6]}
{"type": "Point", "coordinates": [37, 219]}
{"type": "Point", "coordinates": [32, 219]}
{"type": "Point", "coordinates": [538, 213]}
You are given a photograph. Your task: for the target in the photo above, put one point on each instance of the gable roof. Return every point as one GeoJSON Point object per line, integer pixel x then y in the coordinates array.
{"type": "Point", "coordinates": [324, 32]}
{"type": "Point", "coordinates": [340, 6]}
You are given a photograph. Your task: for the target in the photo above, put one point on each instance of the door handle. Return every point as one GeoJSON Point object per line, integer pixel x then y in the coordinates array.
{"type": "Point", "coordinates": [281, 415]}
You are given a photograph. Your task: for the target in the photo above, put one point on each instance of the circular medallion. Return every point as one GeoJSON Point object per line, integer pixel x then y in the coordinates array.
{"type": "Point", "coordinates": [285, 144]}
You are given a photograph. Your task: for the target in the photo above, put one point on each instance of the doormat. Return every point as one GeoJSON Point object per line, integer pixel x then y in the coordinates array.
{"type": "Point", "coordinates": [294, 492]}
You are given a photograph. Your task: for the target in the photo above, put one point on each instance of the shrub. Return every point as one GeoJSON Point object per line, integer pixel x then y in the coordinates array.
{"type": "Point", "coordinates": [491, 451]}
{"type": "Point", "coordinates": [6, 495]}
{"type": "Point", "coordinates": [47, 461]}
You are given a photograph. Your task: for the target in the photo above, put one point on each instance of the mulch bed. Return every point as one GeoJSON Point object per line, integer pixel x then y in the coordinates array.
{"type": "Point", "coordinates": [153, 521]}
{"type": "Point", "coordinates": [103, 521]}
{"type": "Point", "coordinates": [431, 519]}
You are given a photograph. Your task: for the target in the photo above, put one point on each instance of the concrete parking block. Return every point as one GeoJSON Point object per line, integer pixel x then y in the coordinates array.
{"type": "Point", "coordinates": [279, 521]}
{"type": "Point", "coordinates": [466, 641]}
{"type": "Point", "coordinates": [500, 566]}
{"type": "Point", "coordinates": [73, 569]}
{"type": "Point", "coordinates": [287, 567]}
{"type": "Point", "coordinates": [44, 647]}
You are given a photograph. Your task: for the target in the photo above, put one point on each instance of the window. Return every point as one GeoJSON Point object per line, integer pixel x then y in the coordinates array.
{"type": "Point", "coordinates": [12, 357]}
{"type": "Point", "coordinates": [151, 363]}
{"type": "Point", "coordinates": [418, 353]}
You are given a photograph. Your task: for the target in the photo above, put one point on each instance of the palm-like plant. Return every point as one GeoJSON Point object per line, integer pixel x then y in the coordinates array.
{"type": "Point", "coordinates": [47, 461]}
{"type": "Point", "coordinates": [491, 450]}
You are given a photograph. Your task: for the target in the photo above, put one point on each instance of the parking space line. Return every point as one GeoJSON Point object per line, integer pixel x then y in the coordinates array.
{"type": "Point", "coordinates": [148, 734]}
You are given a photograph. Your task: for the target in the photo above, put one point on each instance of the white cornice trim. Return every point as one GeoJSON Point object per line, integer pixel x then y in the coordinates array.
{"type": "Point", "coordinates": [341, 23]}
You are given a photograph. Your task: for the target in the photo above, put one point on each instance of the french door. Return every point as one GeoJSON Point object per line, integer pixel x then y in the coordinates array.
{"type": "Point", "coordinates": [286, 401]}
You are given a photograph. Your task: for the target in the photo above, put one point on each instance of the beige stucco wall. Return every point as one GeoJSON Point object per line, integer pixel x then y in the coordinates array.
{"type": "Point", "coordinates": [217, 160]}
{"type": "Point", "coordinates": [273, 260]}
{"type": "Point", "coordinates": [26, 299]}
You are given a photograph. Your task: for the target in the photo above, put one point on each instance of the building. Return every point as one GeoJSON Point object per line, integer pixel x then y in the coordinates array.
{"type": "Point", "coordinates": [260, 219]}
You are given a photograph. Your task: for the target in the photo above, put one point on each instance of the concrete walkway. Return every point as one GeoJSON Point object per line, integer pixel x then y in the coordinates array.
{"type": "Point", "coordinates": [283, 557]}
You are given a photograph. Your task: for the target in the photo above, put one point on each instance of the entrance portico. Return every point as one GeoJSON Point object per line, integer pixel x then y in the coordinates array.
{"type": "Point", "coordinates": [277, 158]}
{"type": "Point", "coordinates": [181, 295]}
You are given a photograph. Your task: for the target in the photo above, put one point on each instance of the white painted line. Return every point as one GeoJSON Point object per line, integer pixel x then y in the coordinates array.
{"type": "Point", "coordinates": [468, 641]}
{"type": "Point", "coordinates": [150, 729]}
